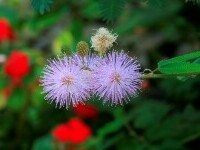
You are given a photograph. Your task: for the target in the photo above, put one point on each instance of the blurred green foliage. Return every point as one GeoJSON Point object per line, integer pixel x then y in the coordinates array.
{"type": "Point", "coordinates": [164, 116]}
{"type": "Point", "coordinates": [41, 5]}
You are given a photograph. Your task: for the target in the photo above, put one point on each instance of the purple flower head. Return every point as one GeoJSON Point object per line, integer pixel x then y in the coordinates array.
{"type": "Point", "coordinates": [116, 78]}
{"type": "Point", "coordinates": [87, 64]}
{"type": "Point", "coordinates": [64, 82]}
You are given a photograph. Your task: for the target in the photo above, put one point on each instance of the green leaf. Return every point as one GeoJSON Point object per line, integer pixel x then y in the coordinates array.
{"type": "Point", "coordinates": [182, 58]}
{"type": "Point", "coordinates": [179, 68]}
{"type": "Point", "coordinates": [17, 99]}
{"type": "Point", "coordinates": [41, 5]}
{"type": "Point", "coordinates": [184, 78]}
{"type": "Point", "coordinates": [180, 64]}
{"type": "Point", "coordinates": [111, 10]}
{"type": "Point", "coordinates": [43, 143]}
{"type": "Point", "coordinates": [197, 61]}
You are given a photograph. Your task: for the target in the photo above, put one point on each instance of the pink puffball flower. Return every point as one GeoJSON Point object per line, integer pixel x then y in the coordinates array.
{"type": "Point", "coordinates": [116, 78]}
{"type": "Point", "coordinates": [64, 82]}
{"type": "Point", "coordinates": [87, 64]}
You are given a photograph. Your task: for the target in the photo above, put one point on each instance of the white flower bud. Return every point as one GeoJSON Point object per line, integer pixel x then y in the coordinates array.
{"type": "Point", "coordinates": [103, 40]}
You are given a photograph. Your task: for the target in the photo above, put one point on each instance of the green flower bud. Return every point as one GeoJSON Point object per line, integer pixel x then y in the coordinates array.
{"type": "Point", "coordinates": [82, 48]}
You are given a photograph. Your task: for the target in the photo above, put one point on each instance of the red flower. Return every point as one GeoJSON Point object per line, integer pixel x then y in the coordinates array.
{"type": "Point", "coordinates": [6, 32]}
{"type": "Point", "coordinates": [87, 111]}
{"type": "Point", "coordinates": [80, 131]}
{"type": "Point", "coordinates": [17, 66]}
{"type": "Point", "coordinates": [74, 131]}
{"type": "Point", "coordinates": [61, 133]}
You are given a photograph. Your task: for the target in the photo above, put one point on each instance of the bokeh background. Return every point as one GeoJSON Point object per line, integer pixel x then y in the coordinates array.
{"type": "Point", "coordinates": [164, 116]}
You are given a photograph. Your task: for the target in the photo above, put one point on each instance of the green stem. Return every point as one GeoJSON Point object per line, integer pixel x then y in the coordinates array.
{"type": "Point", "coordinates": [156, 76]}
{"type": "Point", "coordinates": [135, 135]}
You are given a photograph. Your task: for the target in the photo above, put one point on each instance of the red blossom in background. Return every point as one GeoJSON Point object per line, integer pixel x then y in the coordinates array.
{"type": "Point", "coordinates": [17, 66]}
{"type": "Point", "coordinates": [86, 111]}
{"type": "Point", "coordinates": [6, 32]}
{"type": "Point", "coordinates": [145, 84]}
{"type": "Point", "coordinates": [80, 132]}
{"type": "Point", "coordinates": [74, 131]}
{"type": "Point", "coordinates": [61, 133]}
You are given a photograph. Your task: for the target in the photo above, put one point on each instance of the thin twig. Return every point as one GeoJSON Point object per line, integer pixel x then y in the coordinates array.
{"type": "Point", "coordinates": [134, 134]}
{"type": "Point", "coordinates": [155, 76]}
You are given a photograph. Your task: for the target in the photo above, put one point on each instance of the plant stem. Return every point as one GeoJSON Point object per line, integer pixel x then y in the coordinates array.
{"type": "Point", "coordinates": [155, 76]}
{"type": "Point", "coordinates": [134, 134]}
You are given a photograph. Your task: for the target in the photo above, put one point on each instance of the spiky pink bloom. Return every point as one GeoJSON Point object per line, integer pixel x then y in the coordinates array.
{"type": "Point", "coordinates": [116, 78]}
{"type": "Point", "coordinates": [87, 64]}
{"type": "Point", "coordinates": [64, 82]}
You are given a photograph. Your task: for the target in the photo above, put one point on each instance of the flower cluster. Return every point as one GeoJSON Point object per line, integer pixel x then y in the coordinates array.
{"type": "Point", "coordinates": [113, 76]}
